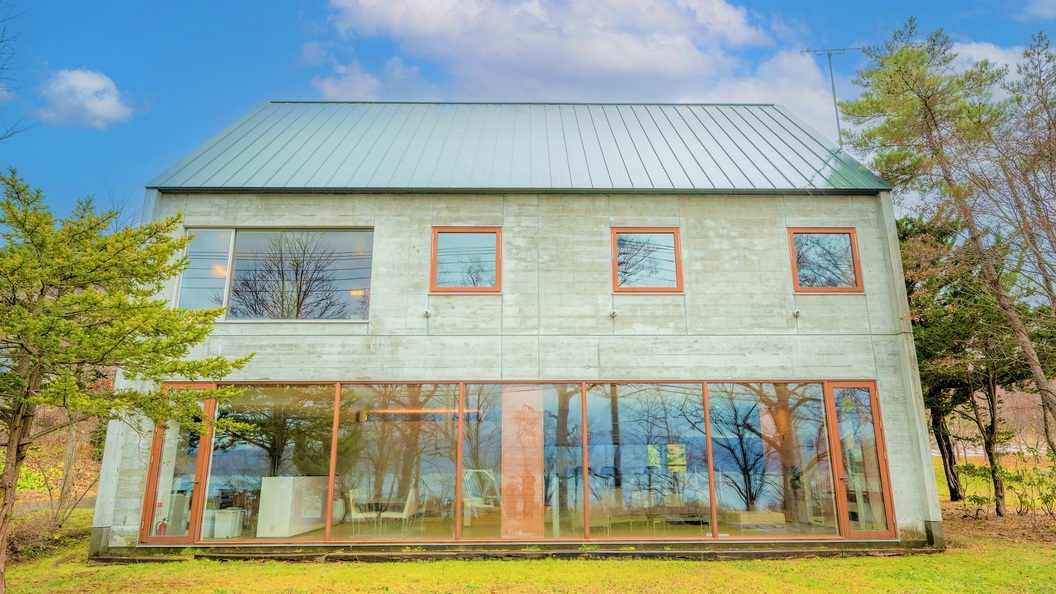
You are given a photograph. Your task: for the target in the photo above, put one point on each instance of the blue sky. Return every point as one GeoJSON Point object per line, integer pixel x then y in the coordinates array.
{"type": "Point", "coordinates": [118, 91]}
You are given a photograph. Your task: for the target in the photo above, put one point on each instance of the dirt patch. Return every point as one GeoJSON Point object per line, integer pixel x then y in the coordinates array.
{"type": "Point", "coordinates": [964, 526]}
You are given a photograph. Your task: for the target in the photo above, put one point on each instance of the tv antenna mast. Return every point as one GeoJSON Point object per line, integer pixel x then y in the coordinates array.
{"type": "Point", "coordinates": [829, 53]}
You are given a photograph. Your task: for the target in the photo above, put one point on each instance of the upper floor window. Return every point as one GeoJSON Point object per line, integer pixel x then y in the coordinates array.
{"type": "Point", "coordinates": [280, 275]}
{"type": "Point", "coordinates": [467, 259]}
{"type": "Point", "coordinates": [646, 260]}
{"type": "Point", "coordinates": [825, 260]}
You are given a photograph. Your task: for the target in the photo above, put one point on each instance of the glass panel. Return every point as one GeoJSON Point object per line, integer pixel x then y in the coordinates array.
{"type": "Point", "coordinates": [202, 285]}
{"type": "Point", "coordinates": [861, 460]}
{"type": "Point", "coordinates": [773, 474]}
{"type": "Point", "coordinates": [646, 260]}
{"type": "Point", "coordinates": [396, 451]}
{"type": "Point", "coordinates": [269, 478]}
{"type": "Point", "coordinates": [466, 259]}
{"type": "Point", "coordinates": [824, 260]}
{"type": "Point", "coordinates": [175, 486]}
{"type": "Point", "coordinates": [648, 452]}
{"type": "Point", "coordinates": [308, 275]}
{"type": "Point", "coordinates": [522, 461]}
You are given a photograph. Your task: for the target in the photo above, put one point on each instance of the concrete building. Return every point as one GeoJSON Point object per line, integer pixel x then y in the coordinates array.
{"type": "Point", "coordinates": [482, 324]}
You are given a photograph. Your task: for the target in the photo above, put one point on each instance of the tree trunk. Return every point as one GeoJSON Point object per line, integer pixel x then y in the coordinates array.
{"type": "Point", "coordinates": [73, 434]}
{"type": "Point", "coordinates": [993, 278]}
{"type": "Point", "coordinates": [946, 452]}
{"type": "Point", "coordinates": [617, 458]}
{"type": "Point", "coordinates": [995, 476]}
{"type": "Point", "coordinates": [19, 429]}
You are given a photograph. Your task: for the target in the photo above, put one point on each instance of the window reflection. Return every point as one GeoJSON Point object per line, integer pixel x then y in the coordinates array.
{"type": "Point", "coordinates": [396, 462]}
{"type": "Point", "coordinates": [466, 259]}
{"type": "Point", "coordinates": [522, 461]}
{"type": "Point", "coordinates": [648, 453]}
{"type": "Point", "coordinates": [174, 490]}
{"type": "Point", "coordinates": [861, 460]}
{"type": "Point", "coordinates": [646, 260]}
{"type": "Point", "coordinates": [773, 472]}
{"type": "Point", "coordinates": [269, 476]}
{"type": "Point", "coordinates": [313, 275]}
{"type": "Point", "coordinates": [203, 283]}
{"type": "Point", "coordinates": [824, 260]}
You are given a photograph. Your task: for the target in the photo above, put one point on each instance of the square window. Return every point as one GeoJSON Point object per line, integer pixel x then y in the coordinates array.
{"type": "Point", "coordinates": [646, 260]}
{"type": "Point", "coordinates": [467, 260]}
{"type": "Point", "coordinates": [825, 260]}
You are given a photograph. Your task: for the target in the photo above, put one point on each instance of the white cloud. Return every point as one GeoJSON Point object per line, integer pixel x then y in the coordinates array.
{"type": "Point", "coordinates": [1043, 9]}
{"type": "Point", "coordinates": [583, 50]}
{"type": "Point", "coordinates": [6, 94]}
{"type": "Point", "coordinates": [82, 98]}
{"type": "Point", "coordinates": [559, 49]}
{"type": "Point", "coordinates": [972, 52]}
{"type": "Point", "coordinates": [350, 82]}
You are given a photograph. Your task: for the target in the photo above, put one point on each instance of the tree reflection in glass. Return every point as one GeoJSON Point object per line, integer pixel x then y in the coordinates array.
{"type": "Point", "coordinates": [824, 260]}
{"type": "Point", "coordinates": [522, 461]}
{"type": "Point", "coordinates": [773, 471]}
{"type": "Point", "coordinates": [646, 260]}
{"type": "Point", "coordinates": [269, 473]}
{"type": "Point", "coordinates": [648, 454]}
{"type": "Point", "coordinates": [862, 484]}
{"type": "Point", "coordinates": [466, 259]}
{"type": "Point", "coordinates": [396, 462]}
{"type": "Point", "coordinates": [311, 275]}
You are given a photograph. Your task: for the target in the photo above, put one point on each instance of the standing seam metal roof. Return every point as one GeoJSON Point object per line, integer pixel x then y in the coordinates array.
{"type": "Point", "coordinates": [536, 147]}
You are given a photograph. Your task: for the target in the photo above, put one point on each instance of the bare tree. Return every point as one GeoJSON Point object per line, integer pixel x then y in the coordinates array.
{"type": "Point", "coordinates": [9, 45]}
{"type": "Point", "coordinates": [294, 277]}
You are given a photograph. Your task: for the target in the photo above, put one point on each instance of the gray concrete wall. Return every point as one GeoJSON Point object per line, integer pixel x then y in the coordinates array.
{"type": "Point", "coordinates": [552, 321]}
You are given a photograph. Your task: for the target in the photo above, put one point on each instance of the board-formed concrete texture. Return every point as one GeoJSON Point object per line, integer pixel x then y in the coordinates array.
{"type": "Point", "coordinates": [737, 319]}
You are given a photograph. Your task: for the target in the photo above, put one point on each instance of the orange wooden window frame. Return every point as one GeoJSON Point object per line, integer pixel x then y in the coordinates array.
{"type": "Point", "coordinates": [498, 260]}
{"type": "Point", "coordinates": [201, 468]}
{"type": "Point", "coordinates": [678, 288]}
{"type": "Point", "coordinates": [836, 451]}
{"type": "Point", "coordinates": [792, 231]}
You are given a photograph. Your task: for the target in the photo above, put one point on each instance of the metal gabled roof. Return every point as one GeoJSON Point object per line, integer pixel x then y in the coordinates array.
{"type": "Point", "coordinates": [370, 147]}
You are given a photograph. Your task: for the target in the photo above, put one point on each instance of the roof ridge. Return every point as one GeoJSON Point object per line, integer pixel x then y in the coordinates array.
{"type": "Point", "coordinates": [323, 101]}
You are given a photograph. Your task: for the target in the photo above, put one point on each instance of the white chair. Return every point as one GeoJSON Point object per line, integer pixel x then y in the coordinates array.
{"type": "Point", "coordinates": [410, 509]}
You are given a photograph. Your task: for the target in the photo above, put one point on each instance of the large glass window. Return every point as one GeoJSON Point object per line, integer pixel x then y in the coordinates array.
{"type": "Point", "coordinates": [646, 260]}
{"type": "Point", "coordinates": [301, 275]}
{"type": "Point", "coordinates": [773, 471]}
{"type": "Point", "coordinates": [280, 275]}
{"type": "Point", "coordinates": [467, 259]}
{"type": "Point", "coordinates": [395, 465]}
{"type": "Point", "coordinates": [825, 260]}
{"type": "Point", "coordinates": [522, 461]}
{"type": "Point", "coordinates": [662, 460]}
{"type": "Point", "coordinates": [176, 458]}
{"type": "Point", "coordinates": [648, 452]}
{"type": "Point", "coordinates": [204, 283]}
{"type": "Point", "coordinates": [862, 484]}
{"type": "Point", "coordinates": [269, 475]}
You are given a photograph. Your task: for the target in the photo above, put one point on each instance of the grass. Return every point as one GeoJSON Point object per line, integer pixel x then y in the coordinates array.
{"type": "Point", "coordinates": [988, 555]}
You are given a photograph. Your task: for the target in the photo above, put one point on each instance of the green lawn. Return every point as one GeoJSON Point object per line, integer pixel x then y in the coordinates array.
{"type": "Point", "coordinates": [1021, 557]}
{"type": "Point", "coordinates": [1008, 568]}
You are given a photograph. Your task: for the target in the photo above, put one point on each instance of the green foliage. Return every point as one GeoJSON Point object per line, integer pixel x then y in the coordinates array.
{"type": "Point", "coordinates": [33, 479]}
{"type": "Point", "coordinates": [916, 104]}
{"type": "Point", "coordinates": [1029, 479]}
{"type": "Point", "coordinates": [79, 300]}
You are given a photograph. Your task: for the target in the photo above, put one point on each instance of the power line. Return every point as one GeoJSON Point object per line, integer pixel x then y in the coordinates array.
{"type": "Point", "coordinates": [829, 53]}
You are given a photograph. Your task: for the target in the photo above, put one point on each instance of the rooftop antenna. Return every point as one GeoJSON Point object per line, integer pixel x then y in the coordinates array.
{"type": "Point", "coordinates": [832, 79]}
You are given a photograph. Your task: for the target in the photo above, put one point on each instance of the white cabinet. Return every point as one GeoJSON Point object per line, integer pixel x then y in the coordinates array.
{"type": "Point", "coordinates": [291, 505]}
